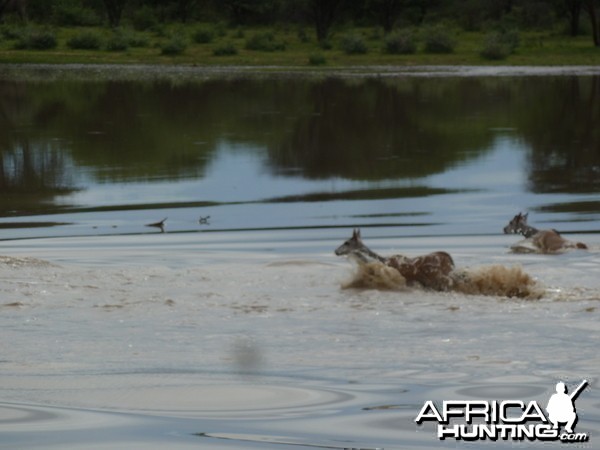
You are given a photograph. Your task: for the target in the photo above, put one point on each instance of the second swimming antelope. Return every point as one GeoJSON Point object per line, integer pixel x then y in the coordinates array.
{"type": "Point", "coordinates": [431, 270]}
{"type": "Point", "coordinates": [546, 241]}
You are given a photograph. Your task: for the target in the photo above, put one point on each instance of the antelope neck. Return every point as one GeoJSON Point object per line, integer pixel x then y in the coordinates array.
{"type": "Point", "coordinates": [371, 254]}
{"type": "Point", "coordinates": [528, 231]}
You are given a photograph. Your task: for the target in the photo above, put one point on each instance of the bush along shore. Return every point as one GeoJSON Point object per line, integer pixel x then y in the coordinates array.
{"type": "Point", "coordinates": [210, 44]}
{"type": "Point", "coordinates": [317, 33]}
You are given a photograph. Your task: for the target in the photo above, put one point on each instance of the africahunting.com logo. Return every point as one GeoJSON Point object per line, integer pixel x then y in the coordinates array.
{"type": "Point", "coordinates": [517, 420]}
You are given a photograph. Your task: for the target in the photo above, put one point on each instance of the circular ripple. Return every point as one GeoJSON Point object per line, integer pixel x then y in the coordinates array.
{"type": "Point", "coordinates": [17, 417]}
{"type": "Point", "coordinates": [10, 415]}
{"type": "Point", "coordinates": [217, 400]}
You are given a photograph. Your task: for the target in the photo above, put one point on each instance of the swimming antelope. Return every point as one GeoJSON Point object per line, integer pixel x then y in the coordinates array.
{"type": "Point", "coordinates": [546, 241]}
{"type": "Point", "coordinates": [431, 270]}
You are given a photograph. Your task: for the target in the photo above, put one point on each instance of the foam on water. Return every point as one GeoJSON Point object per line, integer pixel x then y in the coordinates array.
{"type": "Point", "coordinates": [496, 280]}
{"type": "Point", "coordinates": [376, 275]}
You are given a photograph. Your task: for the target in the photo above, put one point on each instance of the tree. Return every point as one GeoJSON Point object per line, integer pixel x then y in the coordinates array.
{"type": "Point", "coordinates": [387, 12]}
{"type": "Point", "coordinates": [573, 9]}
{"type": "Point", "coordinates": [593, 10]}
{"type": "Point", "coordinates": [114, 10]}
{"type": "Point", "coordinates": [18, 6]}
{"type": "Point", "coordinates": [250, 11]}
{"type": "Point", "coordinates": [420, 8]}
{"type": "Point", "coordinates": [184, 9]}
{"type": "Point", "coordinates": [324, 14]}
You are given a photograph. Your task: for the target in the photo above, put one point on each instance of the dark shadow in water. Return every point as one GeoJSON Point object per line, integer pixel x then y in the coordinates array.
{"type": "Point", "coordinates": [364, 194]}
{"type": "Point", "coordinates": [7, 225]}
{"type": "Point", "coordinates": [583, 207]}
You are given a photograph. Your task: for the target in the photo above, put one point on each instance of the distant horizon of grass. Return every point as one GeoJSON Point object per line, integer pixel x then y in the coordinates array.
{"type": "Point", "coordinates": [298, 48]}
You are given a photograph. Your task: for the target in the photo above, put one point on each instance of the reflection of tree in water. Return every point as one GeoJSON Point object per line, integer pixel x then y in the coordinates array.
{"type": "Point", "coordinates": [118, 131]}
{"type": "Point", "coordinates": [31, 175]}
{"type": "Point", "coordinates": [395, 129]}
{"type": "Point", "coordinates": [560, 120]}
{"type": "Point", "coordinates": [28, 169]}
{"type": "Point", "coordinates": [31, 171]}
{"type": "Point", "coordinates": [361, 129]}
{"type": "Point", "coordinates": [136, 131]}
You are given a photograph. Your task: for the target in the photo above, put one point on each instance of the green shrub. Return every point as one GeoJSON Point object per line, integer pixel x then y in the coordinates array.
{"type": "Point", "coordinates": [85, 40]}
{"type": "Point", "coordinates": [117, 42]}
{"type": "Point", "coordinates": [511, 38]}
{"type": "Point", "coordinates": [326, 44]}
{"type": "Point", "coordinates": [36, 39]}
{"type": "Point", "coordinates": [377, 34]}
{"type": "Point", "coordinates": [227, 49]}
{"type": "Point", "coordinates": [220, 29]}
{"type": "Point", "coordinates": [203, 35]}
{"type": "Point", "coordinates": [500, 44]}
{"type": "Point", "coordinates": [264, 42]}
{"type": "Point", "coordinates": [137, 40]}
{"type": "Point", "coordinates": [10, 31]}
{"type": "Point", "coordinates": [176, 45]}
{"type": "Point", "coordinates": [303, 36]}
{"type": "Point", "coordinates": [160, 30]}
{"type": "Point", "coordinates": [400, 43]}
{"type": "Point", "coordinates": [353, 44]}
{"type": "Point", "coordinates": [494, 49]}
{"type": "Point", "coordinates": [316, 59]}
{"type": "Point", "coordinates": [438, 39]}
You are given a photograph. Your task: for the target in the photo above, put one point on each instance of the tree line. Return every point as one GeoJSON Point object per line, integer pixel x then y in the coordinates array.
{"type": "Point", "coordinates": [576, 16]}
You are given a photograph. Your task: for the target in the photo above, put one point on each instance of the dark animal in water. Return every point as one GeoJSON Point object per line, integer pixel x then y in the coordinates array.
{"type": "Point", "coordinates": [546, 241]}
{"type": "Point", "coordinates": [431, 270]}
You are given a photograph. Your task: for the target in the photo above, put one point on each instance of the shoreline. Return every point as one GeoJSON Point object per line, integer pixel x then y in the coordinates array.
{"type": "Point", "coordinates": [102, 71]}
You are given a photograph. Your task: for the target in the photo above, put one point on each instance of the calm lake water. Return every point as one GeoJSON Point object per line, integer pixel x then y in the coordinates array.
{"type": "Point", "coordinates": [425, 155]}
{"type": "Point", "coordinates": [234, 331]}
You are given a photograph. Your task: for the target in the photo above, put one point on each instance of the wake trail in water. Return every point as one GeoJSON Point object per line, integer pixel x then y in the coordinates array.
{"type": "Point", "coordinates": [495, 280]}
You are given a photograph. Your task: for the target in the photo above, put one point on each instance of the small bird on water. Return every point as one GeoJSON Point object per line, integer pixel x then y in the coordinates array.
{"type": "Point", "coordinates": [160, 225]}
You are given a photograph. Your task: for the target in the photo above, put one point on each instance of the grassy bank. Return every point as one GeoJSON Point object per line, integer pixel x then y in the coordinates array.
{"type": "Point", "coordinates": [216, 45]}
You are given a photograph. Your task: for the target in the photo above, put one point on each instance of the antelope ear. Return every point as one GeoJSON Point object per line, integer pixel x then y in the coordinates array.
{"type": "Point", "coordinates": [358, 233]}
{"type": "Point", "coordinates": [525, 216]}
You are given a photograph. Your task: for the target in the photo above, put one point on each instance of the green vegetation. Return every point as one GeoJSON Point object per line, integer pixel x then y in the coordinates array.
{"type": "Point", "coordinates": [203, 35]}
{"type": "Point", "coordinates": [500, 44]}
{"type": "Point", "coordinates": [438, 39]}
{"type": "Point", "coordinates": [85, 40]}
{"type": "Point", "coordinates": [299, 33]}
{"type": "Point", "coordinates": [265, 41]}
{"type": "Point", "coordinates": [317, 59]}
{"type": "Point", "coordinates": [101, 45]}
{"type": "Point", "coordinates": [353, 44]}
{"type": "Point", "coordinates": [175, 45]}
{"type": "Point", "coordinates": [400, 42]}
{"type": "Point", "coordinates": [225, 49]}
{"type": "Point", "coordinates": [34, 39]}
